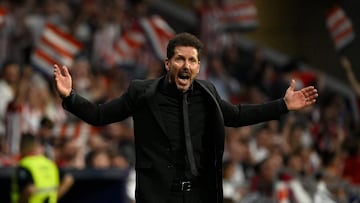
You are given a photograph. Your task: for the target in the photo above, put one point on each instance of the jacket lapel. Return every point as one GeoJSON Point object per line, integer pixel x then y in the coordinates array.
{"type": "Point", "coordinates": [211, 94]}
{"type": "Point", "coordinates": [153, 104]}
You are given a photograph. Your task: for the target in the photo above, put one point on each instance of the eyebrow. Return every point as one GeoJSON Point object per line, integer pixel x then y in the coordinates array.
{"type": "Point", "coordinates": [182, 56]}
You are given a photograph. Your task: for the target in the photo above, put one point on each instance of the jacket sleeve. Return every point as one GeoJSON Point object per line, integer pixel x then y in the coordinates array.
{"type": "Point", "coordinates": [100, 114]}
{"type": "Point", "coordinates": [248, 114]}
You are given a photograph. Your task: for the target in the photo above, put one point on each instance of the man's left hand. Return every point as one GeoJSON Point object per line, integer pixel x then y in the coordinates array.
{"type": "Point", "coordinates": [298, 99]}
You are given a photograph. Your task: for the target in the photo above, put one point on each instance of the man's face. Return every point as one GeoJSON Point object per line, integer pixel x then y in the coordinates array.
{"type": "Point", "coordinates": [183, 67]}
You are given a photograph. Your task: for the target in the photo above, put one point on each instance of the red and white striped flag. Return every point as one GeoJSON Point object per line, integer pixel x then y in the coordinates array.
{"type": "Point", "coordinates": [240, 15]}
{"type": "Point", "coordinates": [3, 13]}
{"type": "Point", "coordinates": [340, 27]}
{"type": "Point", "coordinates": [54, 46]}
{"type": "Point", "coordinates": [158, 33]}
{"type": "Point", "coordinates": [127, 47]}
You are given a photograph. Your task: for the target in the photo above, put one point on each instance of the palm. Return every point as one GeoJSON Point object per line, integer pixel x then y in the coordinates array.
{"type": "Point", "coordinates": [63, 80]}
{"type": "Point", "coordinates": [301, 98]}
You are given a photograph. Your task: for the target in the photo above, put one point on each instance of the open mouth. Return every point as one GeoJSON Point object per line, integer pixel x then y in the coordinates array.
{"type": "Point", "coordinates": [184, 77]}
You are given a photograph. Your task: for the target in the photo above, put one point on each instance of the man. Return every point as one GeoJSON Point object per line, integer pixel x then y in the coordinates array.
{"type": "Point", "coordinates": [37, 179]}
{"type": "Point", "coordinates": [178, 124]}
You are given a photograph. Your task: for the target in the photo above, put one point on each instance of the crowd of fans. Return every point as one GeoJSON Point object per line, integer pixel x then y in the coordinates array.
{"type": "Point", "coordinates": [308, 156]}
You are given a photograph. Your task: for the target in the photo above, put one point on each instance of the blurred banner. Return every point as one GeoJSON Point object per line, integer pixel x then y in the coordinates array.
{"type": "Point", "coordinates": [217, 22]}
{"type": "Point", "coordinates": [126, 48]}
{"type": "Point", "coordinates": [54, 46]}
{"type": "Point", "coordinates": [239, 16]}
{"type": "Point", "coordinates": [340, 27]}
{"type": "Point", "coordinates": [158, 32]}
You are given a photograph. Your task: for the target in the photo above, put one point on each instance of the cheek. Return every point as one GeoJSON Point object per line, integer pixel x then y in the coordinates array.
{"type": "Point", "coordinates": [196, 71]}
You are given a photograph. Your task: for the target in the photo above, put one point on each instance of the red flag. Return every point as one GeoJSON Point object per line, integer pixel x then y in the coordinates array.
{"type": "Point", "coordinates": [127, 47]}
{"type": "Point", "coordinates": [340, 27]}
{"type": "Point", "coordinates": [158, 33]}
{"type": "Point", "coordinates": [54, 46]}
{"type": "Point", "coordinates": [238, 16]}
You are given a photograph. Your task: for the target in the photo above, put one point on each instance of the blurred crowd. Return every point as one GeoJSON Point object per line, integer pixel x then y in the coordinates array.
{"type": "Point", "coordinates": [308, 156]}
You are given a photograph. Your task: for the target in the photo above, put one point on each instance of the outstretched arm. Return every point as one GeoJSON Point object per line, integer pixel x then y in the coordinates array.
{"type": "Point", "coordinates": [298, 99]}
{"type": "Point", "coordinates": [63, 80]}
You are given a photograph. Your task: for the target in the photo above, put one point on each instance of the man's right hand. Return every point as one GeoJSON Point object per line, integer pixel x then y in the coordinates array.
{"type": "Point", "coordinates": [63, 80]}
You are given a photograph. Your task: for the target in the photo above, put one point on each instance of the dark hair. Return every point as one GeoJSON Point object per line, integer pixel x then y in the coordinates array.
{"type": "Point", "coordinates": [27, 142]}
{"type": "Point", "coordinates": [183, 39]}
{"type": "Point", "coordinates": [46, 123]}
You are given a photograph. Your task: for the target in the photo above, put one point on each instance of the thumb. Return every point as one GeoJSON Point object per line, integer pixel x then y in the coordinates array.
{"type": "Point", "coordinates": [292, 85]}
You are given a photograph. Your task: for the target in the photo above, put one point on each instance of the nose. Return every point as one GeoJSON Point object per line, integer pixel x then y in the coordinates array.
{"type": "Point", "coordinates": [187, 64]}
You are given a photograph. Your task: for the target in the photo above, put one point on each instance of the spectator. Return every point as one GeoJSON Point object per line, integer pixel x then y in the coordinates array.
{"type": "Point", "coordinates": [37, 178]}
{"type": "Point", "coordinates": [71, 154]}
{"type": "Point", "coordinates": [98, 159]}
{"type": "Point", "coordinates": [9, 80]}
{"type": "Point", "coordinates": [227, 86]}
{"type": "Point", "coordinates": [263, 182]}
{"type": "Point", "coordinates": [46, 137]}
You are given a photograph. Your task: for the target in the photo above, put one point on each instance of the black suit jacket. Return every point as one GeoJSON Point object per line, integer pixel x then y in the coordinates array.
{"type": "Point", "coordinates": [154, 158]}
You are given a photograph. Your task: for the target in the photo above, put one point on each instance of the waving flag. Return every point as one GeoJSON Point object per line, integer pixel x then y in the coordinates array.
{"type": "Point", "coordinates": [127, 47]}
{"type": "Point", "coordinates": [54, 46]}
{"type": "Point", "coordinates": [216, 22]}
{"type": "Point", "coordinates": [340, 27]}
{"type": "Point", "coordinates": [238, 16]}
{"type": "Point", "coordinates": [158, 33]}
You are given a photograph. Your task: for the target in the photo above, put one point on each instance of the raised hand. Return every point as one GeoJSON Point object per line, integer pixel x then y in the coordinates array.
{"type": "Point", "coordinates": [298, 99]}
{"type": "Point", "coordinates": [63, 80]}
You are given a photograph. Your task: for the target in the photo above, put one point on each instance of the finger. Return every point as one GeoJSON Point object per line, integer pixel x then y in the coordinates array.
{"type": "Point", "coordinates": [56, 68]}
{"type": "Point", "coordinates": [313, 93]}
{"type": "Point", "coordinates": [65, 70]}
{"type": "Point", "coordinates": [308, 90]}
{"type": "Point", "coordinates": [56, 71]}
{"type": "Point", "coordinates": [292, 85]}
{"type": "Point", "coordinates": [313, 96]}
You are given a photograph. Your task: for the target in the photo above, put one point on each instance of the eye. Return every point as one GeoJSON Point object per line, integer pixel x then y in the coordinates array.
{"type": "Point", "coordinates": [179, 60]}
{"type": "Point", "coordinates": [193, 61]}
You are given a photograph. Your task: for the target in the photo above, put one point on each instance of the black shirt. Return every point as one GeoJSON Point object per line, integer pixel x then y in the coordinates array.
{"type": "Point", "coordinates": [170, 103]}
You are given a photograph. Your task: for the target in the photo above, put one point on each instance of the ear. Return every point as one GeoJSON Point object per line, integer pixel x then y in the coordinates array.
{"type": "Point", "coordinates": [198, 70]}
{"type": "Point", "coordinates": [166, 62]}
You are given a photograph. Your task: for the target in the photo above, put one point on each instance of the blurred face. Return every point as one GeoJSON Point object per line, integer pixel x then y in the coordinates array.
{"type": "Point", "coordinates": [11, 73]}
{"type": "Point", "coordinates": [101, 160]}
{"type": "Point", "coordinates": [183, 67]}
